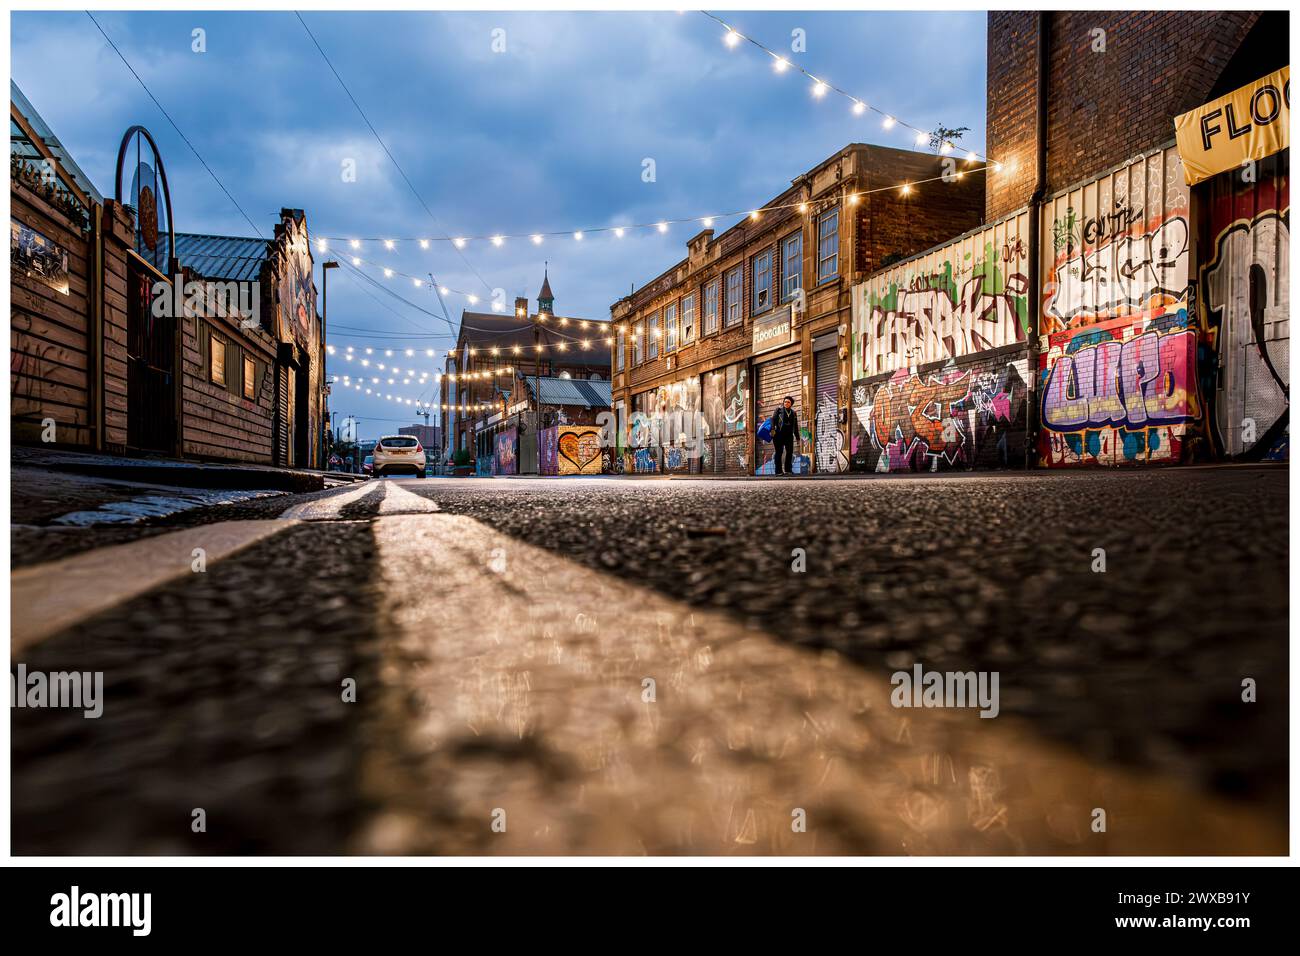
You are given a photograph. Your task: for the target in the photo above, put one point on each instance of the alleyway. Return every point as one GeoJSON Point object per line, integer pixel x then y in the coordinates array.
{"type": "Point", "coordinates": [669, 666]}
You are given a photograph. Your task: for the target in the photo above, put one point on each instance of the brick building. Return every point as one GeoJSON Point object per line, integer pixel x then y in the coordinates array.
{"type": "Point", "coordinates": [130, 338]}
{"type": "Point", "coordinates": [1122, 308]}
{"type": "Point", "coordinates": [707, 349]}
{"type": "Point", "coordinates": [430, 437]}
{"type": "Point", "coordinates": [479, 399]}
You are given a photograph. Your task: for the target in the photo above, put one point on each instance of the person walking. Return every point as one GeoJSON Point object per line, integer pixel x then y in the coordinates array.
{"type": "Point", "coordinates": [785, 425]}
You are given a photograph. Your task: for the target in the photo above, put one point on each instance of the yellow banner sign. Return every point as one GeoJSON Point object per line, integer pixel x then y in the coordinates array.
{"type": "Point", "coordinates": [1249, 123]}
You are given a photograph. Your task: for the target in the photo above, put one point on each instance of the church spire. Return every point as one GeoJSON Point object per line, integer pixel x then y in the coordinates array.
{"type": "Point", "coordinates": [546, 298]}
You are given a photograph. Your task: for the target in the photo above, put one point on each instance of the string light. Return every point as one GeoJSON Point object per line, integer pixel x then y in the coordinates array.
{"type": "Point", "coordinates": [663, 225]}
{"type": "Point", "coordinates": [820, 88]}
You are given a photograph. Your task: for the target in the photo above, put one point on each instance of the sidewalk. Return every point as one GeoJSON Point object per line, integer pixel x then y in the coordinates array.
{"type": "Point", "coordinates": [174, 472]}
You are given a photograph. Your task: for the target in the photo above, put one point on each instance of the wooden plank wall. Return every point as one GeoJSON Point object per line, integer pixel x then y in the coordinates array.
{"type": "Point", "coordinates": [118, 239]}
{"type": "Point", "coordinates": [49, 372]}
{"type": "Point", "coordinates": [218, 424]}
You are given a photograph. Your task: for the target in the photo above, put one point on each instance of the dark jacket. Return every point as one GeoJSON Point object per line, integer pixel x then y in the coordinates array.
{"type": "Point", "coordinates": [785, 424]}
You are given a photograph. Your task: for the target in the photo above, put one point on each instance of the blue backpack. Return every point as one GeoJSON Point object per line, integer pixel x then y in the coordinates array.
{"type": "Point", "coordinates": [765, 430]}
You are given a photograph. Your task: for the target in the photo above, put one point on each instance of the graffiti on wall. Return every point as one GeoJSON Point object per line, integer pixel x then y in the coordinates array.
{"type": "Point", "coordinates": [1247, 303]}
{"type": "Point", "coordinates": [968, 296]}
{"type": "Point", "coordinates": [579, 450]}
{"type": "Point", "coordinates": [1129, 273]}
{"type": "Point", "coordinates": [505, 452]}
{"type": "Point", "coordinates": [1118, 246]}
{"type": "Point", "coordinates": [950, 418]}
{"type": "Point", "coordinates": [1120, 393]}
{"type": "Point", "coordinates": [1118, 362]}
{"type": "Point", "coordinates": [830, 451]}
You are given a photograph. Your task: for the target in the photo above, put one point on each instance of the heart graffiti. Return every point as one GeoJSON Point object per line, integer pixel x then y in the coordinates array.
{"type": "Point", "coordinates": [579, 450]}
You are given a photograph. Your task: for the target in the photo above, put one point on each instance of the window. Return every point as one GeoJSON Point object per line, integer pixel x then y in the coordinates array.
{"type": "Point", "coordinates": [621, 348]}
{"type": "Point", "coordinates": [688, 318]}
{"type": "Point", "coordinates": [711, 307]}
{"type": "Point", "coordinates": [791, 266]}
{"type": "Point", "coordinates": [735, 286]}
{"type": "Point", "coordinates": [250, 376]}
{"type": "Point", "coordinates": [762, 282]}
{"type": "Point", "coordinates": [638, 334]}
{"type": "Point", "coordinates": [218, 374]}
{"type": "Point", "coordinates": [652, 338]}
{"type": "Point", "coordinates": [670, 327]}
{"type": "Point", "coordinates": [828, 245]}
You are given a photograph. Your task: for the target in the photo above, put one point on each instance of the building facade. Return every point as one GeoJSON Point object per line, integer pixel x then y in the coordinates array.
{"type": "Point", "coordinates": [709, 348]}
{"type": "Point", "coordinates": [495, 369]}
{"type": "Point", "coordinates": [1129, 303]}
{"type": "Point", "coordinates": [130, 338]}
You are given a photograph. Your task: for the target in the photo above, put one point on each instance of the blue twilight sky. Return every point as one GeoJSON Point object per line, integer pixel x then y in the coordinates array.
{"type": "Point", "coordinates": [549, 135]}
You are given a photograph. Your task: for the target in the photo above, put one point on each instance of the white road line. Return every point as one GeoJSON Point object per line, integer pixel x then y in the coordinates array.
{"type": "Point", "coordinates": [50, 597]}
{"type": "Point", "coordinates": [397, 500]}
{"type": "Point", "coordinates": [327, 508]}
{"type": "Point", "coordinates": [528, 674]}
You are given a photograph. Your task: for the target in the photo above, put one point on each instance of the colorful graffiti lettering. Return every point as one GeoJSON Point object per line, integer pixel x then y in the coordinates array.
{"type": "Point", "coordinates": [1130, 273]}
{"type": "Point", "coordinates": [1148, 380]}
{"type": "Point", "coordinates": [948, 418]}
{"type": "Point", "coordinates": [966, 297]}
{"type": "Point", "coordinates": [1123, 392]}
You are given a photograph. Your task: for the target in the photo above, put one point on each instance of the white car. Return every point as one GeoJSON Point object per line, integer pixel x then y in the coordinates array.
{"type": "Point", "coordinates": [399, 454]}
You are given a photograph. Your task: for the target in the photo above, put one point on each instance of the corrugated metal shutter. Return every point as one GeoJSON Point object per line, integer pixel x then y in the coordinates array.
{"type": "Point", "coordinates": [1245, 242]}
{"type": "Point", "coordinates": [776, 380]}
{"type": "Point", "coordinates": [826, 425]}
{"type": "Point", "coordinates": [283, 420]}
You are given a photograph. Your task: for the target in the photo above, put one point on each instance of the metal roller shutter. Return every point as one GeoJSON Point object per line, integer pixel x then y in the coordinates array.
{"type": "Point", "coordinates": [776, 380]}
{"type": "Point", "coordinates": [828, 439]}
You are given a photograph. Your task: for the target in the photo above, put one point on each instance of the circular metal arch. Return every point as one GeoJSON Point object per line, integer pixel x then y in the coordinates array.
{"type": "Point", "coordinates": [162, 175]}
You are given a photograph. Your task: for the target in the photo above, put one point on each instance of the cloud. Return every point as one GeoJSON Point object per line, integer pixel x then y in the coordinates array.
{"type": "Point", "coordinates": [549, 134]}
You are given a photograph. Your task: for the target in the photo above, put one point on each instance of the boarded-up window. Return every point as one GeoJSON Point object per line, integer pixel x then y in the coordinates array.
{"type": "Point", "coordinates": [218, 350]}
{"type": "Point", "coordinates": [250, 377]}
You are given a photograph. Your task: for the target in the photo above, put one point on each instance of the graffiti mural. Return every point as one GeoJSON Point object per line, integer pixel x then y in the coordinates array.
{"type": "Point", "coordinates": [579, 450]}
{"type": "Point", "coordinates": [1119, 246]}
{"type": "Point", "coordinates": [1246, 297]}
{"type": "Point", "coordinates": [830, 452]}
{"type": "Point", "coordinates": [968, 296]}
{"type": "Point", "coordinates": [1119, 393]}
{"type": "Point", "coordinates": [548, 454]}
{"type": "Point", "coordinates": [505, 452]}
{"type": "Point", "coordinates": [1120, 348]}
{"type": "Point", "coordinates": [952, 417]}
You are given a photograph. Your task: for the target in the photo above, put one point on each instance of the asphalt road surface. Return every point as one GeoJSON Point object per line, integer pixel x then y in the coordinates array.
{"type": "Point", "coordinates": [668, 666]}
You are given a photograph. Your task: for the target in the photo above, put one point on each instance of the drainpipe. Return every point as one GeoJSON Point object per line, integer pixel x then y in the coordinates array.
{"type": "Point", "coordinates": [1033, 408]}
